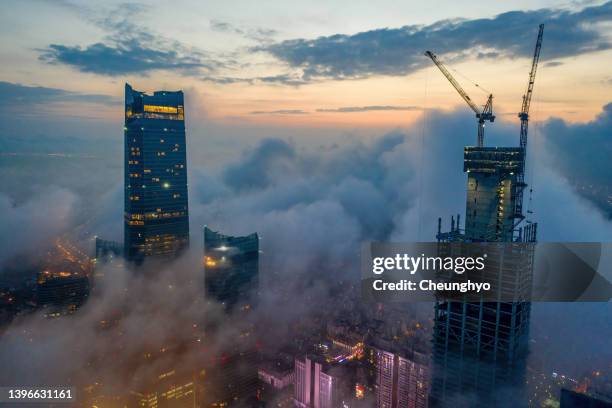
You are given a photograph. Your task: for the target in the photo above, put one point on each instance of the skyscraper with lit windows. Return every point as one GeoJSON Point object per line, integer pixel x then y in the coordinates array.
{"type": "Point", "coordinates": [156, 210]}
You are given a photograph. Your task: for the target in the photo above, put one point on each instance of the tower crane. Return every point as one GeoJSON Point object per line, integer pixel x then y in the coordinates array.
{"type": "Point", "coordinates": [524, 116]}
{"type": "Point", "coordinates": [486, 114]}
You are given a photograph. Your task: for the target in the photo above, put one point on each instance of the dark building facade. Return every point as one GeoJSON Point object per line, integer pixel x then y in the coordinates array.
{"type": "Point", "coordinates": [231, 276]}
{"type": "Point", "coordinates": [156, 210]}
{"type": "Point", "coordinates": [231, 266]}
{"type": "Point", "coordinates": [105, 249]}
{"type": "Point", "coordinates": [60, 293]}
{"type": "Point", "coordinates": [572, 399]}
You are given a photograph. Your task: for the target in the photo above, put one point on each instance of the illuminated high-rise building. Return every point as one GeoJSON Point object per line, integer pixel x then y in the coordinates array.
{"type": "Point", "coordinates": [156, 211]}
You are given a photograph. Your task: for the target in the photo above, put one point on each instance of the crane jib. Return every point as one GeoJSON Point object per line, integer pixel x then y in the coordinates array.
{"type": "Point", "coordinates": [482, 116]}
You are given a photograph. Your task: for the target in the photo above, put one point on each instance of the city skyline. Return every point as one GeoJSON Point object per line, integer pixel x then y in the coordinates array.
{"type": "Point", "coordinates": [302, 140]}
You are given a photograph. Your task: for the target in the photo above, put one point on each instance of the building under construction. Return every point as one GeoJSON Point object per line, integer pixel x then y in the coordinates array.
{"type": "Point", "coordinates": [480, 348]}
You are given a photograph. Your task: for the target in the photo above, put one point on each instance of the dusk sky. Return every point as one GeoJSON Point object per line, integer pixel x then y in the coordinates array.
{"type": "Point", "coordinates": [314, 64]}
{"type": "Point", "coordinates": [323, 78]}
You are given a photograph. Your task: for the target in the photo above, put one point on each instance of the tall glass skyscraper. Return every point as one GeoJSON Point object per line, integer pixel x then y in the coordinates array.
{"type": "Point", "coordinates": [156, 211]}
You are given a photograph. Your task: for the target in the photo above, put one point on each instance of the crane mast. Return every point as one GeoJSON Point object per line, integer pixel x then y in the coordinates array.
{"type": "Point", "coordinates": [486, 114]}
{"type": "Point", "coordinates": [524, 116]}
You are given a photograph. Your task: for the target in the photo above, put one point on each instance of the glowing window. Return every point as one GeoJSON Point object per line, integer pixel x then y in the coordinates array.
{"type": "Point", "coordinates": [160, 109]}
